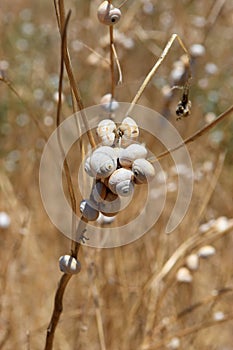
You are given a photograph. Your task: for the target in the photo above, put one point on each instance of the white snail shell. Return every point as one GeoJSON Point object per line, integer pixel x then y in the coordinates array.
{"type": "Point", "coordinates": [108, 103]}
{"type": "Point", "coordinates": [88, 211]}
{"type": "Point", "coordinates": [108, 14]}
{"type": "Point", "coordinates": [129, 128]}
{"type": "Point", "coordinates": [143, 171]}
{"type": "Point", "coordinates": [87, 167]}
{"type": "Point", "coordinates": [105, 131]}
{"type": "Point", "coordinates": [130, 153]}
{"type": "Point", "coordinates": [103, 162]}
{"type": "Point", "coordinates": [106, 126]}
{"type": "Point", "coordinates": [111, 205]}
{"type": "Point", "coordinates": [69, 264]}
{"type": "Point", "coordinates": [121, 182]}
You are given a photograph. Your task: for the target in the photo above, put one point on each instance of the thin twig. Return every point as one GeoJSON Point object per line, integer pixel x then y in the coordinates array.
{"type": "Point", "coordinates": [196, 135]}
{"type": "Point", "coordinates": [118, 65]}
{"type": "Point", "coordinates": [154, 69]}
{"type": "Point", "coordinates": [60, 13]}
{"type": "Point", "coordinates": [111, 44]}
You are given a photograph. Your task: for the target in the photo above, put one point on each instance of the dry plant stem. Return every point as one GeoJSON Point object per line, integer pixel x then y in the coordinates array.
{"type": "Point", "coordinates": [96, 299]}
{"type": "Point", "coordinates": [213, 15]}
{"type": "Point", "coordinates": [156, 284]}
{"type": "Point", "coordinates": [112, 61]}
{"type": "Point", "coordinates": [118, 65]}
{"type": "Point", "coordinates": [60, 13]}
{"type": "Point", "coordinates": [186, 331]}
{"type": "Point", "coordinates": [195, 136]}
{"type": "Point", "coordinates": [57, 310]}
{"type": "Point", "coordinates": [156, 67]}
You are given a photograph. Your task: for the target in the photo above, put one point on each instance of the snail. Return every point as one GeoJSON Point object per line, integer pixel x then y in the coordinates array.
{"type": "Point", "coordinates": [103, 162]}
{"type": "Point", "coordinates": [88, 211]}
{"type": "Point", "coordinates": [129, 129]}
{"type": "Point", "coordinates": [108, 14]}
{"type": "Point", "coordinates": [120, 182]}
{"type": "Point", "coordinates": [143, 171]}
{"type": "Point", "coordinates": [87, 167]}
{"type": "Point", "coordinates": [106, 131]}
{"type": "Point", "coordinates": [108, 103]}
{"type": "Point", "coordinates": [69, 264]}
{"type": "Point", "coordinates": [130, 153]}
{"type": "Point", "coordinates": [111, 204]}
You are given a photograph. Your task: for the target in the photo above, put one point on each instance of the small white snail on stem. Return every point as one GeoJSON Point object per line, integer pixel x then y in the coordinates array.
{"type": "Point", "coordinates": [69, 264]}
{"type": "Point", "coordinates": [132, 152]}
{"type": "Point", "coordinates": [103, 162]}
{"type": "Point", "coordinates": [129, 128]}
{"type": "Point", "coordinates": [121, 182]}
{"type": "Point", "coordinates": [143, 171]}
{"type": "Point", "coordinates": [106, 132]}
{"type": "Point", "coordinates": [108, 14]}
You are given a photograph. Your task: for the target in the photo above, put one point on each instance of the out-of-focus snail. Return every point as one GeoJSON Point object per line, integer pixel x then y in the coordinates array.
{"type": "Point", "coordinates": [103, 162]}
{"type": "Point", "coordinates": [143, 171]}
{"type": "Point", "coordinates": [108, 103]}
{"type": "Point", "coordinates": [108, 14]}
{"type": "Point", "coordinates": [88, 211]}
{"type": "Point", "coordinates": [121, 182]}
{"type": "Point", "coordinates": [69, 264]}
{"type": "Point", "coordinates": [130, 153]}
{"type": "Point", "coordinates": [111, 204]}
{"type": "Point", "coordinates": [129, 129]}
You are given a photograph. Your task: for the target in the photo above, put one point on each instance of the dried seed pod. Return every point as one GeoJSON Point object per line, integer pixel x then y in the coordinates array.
{"type": "Point", "coordinates": [184, 275]}
{"type": "Point", "coordinates": [130, 153]}
{"type": "Point", "coordinates": [69, 264]}
{"type": "Point", "coordinates": [103, 164]}
{"type": "Point", "coordinates": [111, 205]}
{"type": "Point", "coordinates": [108, 14]}
{"type": "Point", "coordinates": [121, 182]}
{"type": "Point", "coordinates": [143, 171]}
{"type": "Point", "coordinates": [108, 103]}
{"type": "Point", "coordinates": [88, 211]}
{"type": "Point", "coordinates": [128, 129]}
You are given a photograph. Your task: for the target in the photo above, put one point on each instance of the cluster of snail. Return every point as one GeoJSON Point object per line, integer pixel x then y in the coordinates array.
{"type": "Point", "coordinates": [116, 167]}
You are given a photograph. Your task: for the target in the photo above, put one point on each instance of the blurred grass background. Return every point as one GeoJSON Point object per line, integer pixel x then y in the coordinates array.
{"type": "Point", "coordinates": [113, 282]}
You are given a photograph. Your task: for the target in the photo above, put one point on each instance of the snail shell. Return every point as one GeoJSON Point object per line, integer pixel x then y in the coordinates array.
{"type": "Point", "coordinates": [88, 211]}
{"type": "Point", "coordinates": [87, 167]}
{"type": "Point", "coordinates": [108, 14]}
{"type": "Point", "coordinates": [143, 171]}
{"type": "Point", "coordinates": [69, 264]}
{"type": "Point", "coordinates": [121, 182]}
{"type": "Point", "coordinates": [105, 131]}
{"type": "Point", "coordinates": [106, 126]}
{"type": "Point", "coordinates": [103, 162]}
{"type": "Point", "coordinates": [129, 128]}
{"type": "Point", "coordinates": [130, 153]}
{"type": "Point", "coordinates": [111, 205]}
{"type": "Point", "coordinates": [108, 103]}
